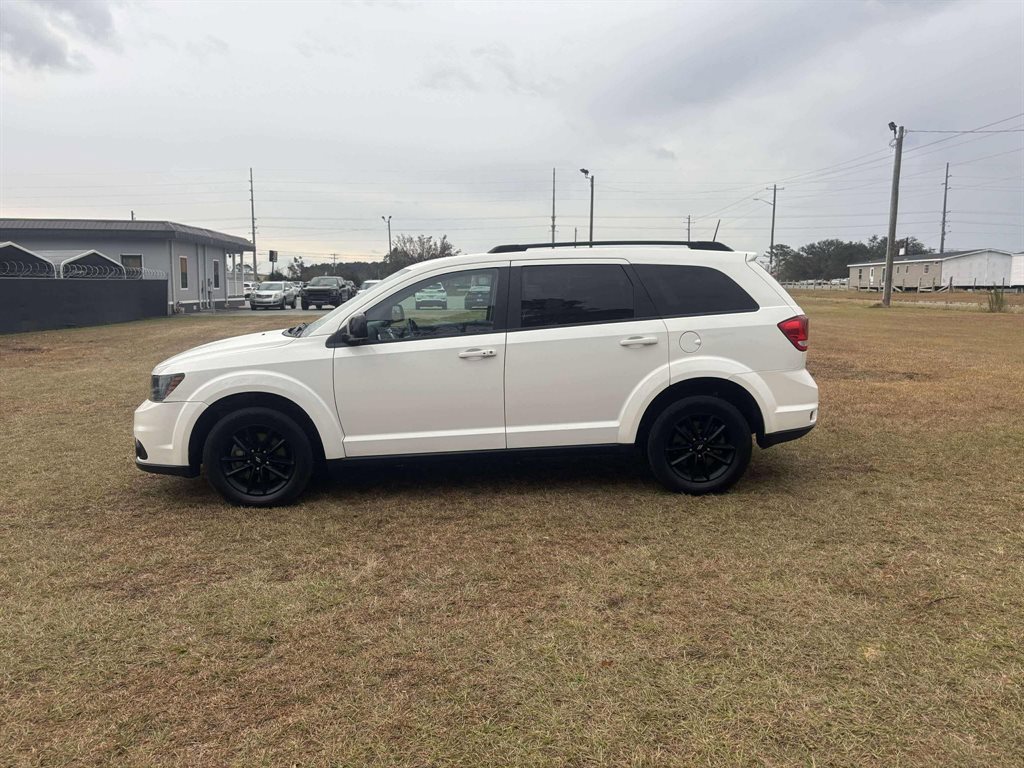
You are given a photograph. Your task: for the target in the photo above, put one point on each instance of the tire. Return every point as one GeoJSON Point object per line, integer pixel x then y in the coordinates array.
{"type": "Point", "coordinates": [699, 445]}
{"type": "Point", "coordinates": [252, 307]}
{"type": "Point", "coordinates": [305, 305]}
{"type": "Point", "coordinates": [319, 306]}
{"type": "Point", "coordinates": [241, 466]}
{"type": "Point", "coordinates": [445, 305]}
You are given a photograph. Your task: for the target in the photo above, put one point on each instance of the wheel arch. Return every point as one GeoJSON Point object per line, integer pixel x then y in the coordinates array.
{"type": "Point", "coordinates": [730, 391]}
{"type": "Point", "coordinates": [225, 405]}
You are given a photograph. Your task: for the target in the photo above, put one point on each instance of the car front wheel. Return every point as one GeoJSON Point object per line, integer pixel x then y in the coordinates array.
{"type": "Point", "coordinates": [258, 457]}
{"type": "Point", "coordinates": [699, 445]}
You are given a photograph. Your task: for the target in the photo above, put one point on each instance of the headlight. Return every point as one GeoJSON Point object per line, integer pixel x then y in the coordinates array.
{"type": "Point", "coordinates": [160, 387]}
{"type": "Point", "coordinates": [278, 295]}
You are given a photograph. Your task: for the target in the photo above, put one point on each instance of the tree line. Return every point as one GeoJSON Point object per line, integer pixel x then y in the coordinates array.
{"type": "Point", "coordinates": [820, 260]}
{"type": "Point", "coordinates": [405, 250]}
{"type": "Point", "coordinates": [827, 259]}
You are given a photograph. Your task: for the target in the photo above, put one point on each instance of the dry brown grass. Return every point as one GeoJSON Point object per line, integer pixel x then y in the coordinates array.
{"type": "Point", "coordinates": [965, 300]}
{"type": "Point", "coordinates": [858, 599]}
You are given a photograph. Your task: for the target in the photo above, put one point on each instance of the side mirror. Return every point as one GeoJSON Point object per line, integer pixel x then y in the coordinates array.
{"type": "Point", "coordinates": [357, 330]}
{"type": "Point", "coordinates": [397, 313]}
{"type": "Point", "coordinates": [354, 333]}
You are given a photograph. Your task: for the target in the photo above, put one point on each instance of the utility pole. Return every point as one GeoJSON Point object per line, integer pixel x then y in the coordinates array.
{"type": "Point", "coordinates": [552, 206]}
{"type": "Point", "coordinates": [252, 211]}
{"type": "Point", "coordinates": [715, 238]}
{"type": "Point", "coordinates": [945, 194]}
{"type": "Point", "coordinates": [771, 246]}
{"type": "Point", "coordinates": [133, 212]}
{"type": "Point", "coordinates": [687, 227]}
{"type": "Point", "coordinates": [388, 222]}
{"type": "Point", "coordinates": [588, 175]}
{"type": "Point", "coordinates": [334, 263]}
{"type": "Point", "coordinates": [575, 238]}
{"type": "Point", "coordinates": [894, 199]}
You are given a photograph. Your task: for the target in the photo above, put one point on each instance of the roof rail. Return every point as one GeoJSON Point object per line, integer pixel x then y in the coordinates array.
{"type": "Point", "coordinates": [698, 245]}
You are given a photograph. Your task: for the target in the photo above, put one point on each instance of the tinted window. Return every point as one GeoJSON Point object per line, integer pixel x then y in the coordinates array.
{"type": "Point", "coordinates": [571, 294]}
{"type": "Point", "coordinates": [432, 308]}
{"type": "Point", "coordinates": [324, 281]}
{"type": "Point", "coordinates": [686, 290]}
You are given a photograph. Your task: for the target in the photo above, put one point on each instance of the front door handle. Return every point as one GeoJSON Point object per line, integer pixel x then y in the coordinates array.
{"type": "Point", "coordinates": [639, 341]}
{"type": "Point", "coordinates": [475, 352]}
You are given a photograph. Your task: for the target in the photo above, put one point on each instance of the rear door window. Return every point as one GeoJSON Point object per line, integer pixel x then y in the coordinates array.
{"type": "Point", "coordinates": [575, 294]}
{"type": "Point", "coordinates": [678, 290]}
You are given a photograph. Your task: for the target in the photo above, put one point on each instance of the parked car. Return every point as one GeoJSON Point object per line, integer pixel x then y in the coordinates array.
{"type": "Point", "coordinates": [325, 290]}
{"type": "Point", "coordinates": [367, 285]}
{"type": "Point", "coordinates": [272, 294]}
{"type": "Point", "coordinates": [478, 297]}
{"type": "Point", "coordinates": [247, 290]}
{"type": "Point", "coordinates": [434, 295]}
{"type": "Point", "coordinates": [684, 351]}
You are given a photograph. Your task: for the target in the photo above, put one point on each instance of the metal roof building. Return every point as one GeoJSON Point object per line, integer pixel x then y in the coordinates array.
{"type": "Point", "coordinates": [197, 263]}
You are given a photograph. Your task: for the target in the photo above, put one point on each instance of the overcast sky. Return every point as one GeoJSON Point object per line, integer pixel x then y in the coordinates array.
{"type": "Point", "coordinates": [450, 116]}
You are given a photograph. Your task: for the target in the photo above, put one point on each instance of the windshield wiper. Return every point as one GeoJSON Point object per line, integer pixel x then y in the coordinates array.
{"type": "Point", "coordinates": [296, 330]}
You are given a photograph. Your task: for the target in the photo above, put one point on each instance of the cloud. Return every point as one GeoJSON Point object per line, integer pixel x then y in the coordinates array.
{"type": "Point", "coordinates": [450, 77]}
{"type": "Point", "coordinates": [49, 34]}
{"type": "Point", "coordinates": [491, 68]}
{"type": "Point", "coordinates": [206, 46]}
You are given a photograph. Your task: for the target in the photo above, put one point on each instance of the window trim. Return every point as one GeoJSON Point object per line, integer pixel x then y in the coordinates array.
{"type": "Point", "coordinates": [216, 274]}
{"type": "Point", "coordinates": [501, 303]}
{"type": "Point", "coordinates": [183, 272]}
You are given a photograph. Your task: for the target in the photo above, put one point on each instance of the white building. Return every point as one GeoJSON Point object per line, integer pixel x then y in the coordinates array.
{"type": "Point", "coordinates": [978, 268]}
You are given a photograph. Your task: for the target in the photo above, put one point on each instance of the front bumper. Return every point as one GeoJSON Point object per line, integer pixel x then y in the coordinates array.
{"type": "Point", "coordinates": [259, 302]}
{"type": "Point", "coordinates": [162, 431]}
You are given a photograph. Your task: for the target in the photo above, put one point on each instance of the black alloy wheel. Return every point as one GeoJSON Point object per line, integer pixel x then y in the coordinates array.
{"type": "Point", "coordinates": [699, 445]}
{"type": "Point", "coordinates": [258, 457]}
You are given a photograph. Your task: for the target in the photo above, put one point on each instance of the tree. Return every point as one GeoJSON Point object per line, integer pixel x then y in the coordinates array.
{"type": "Point", "coordinates": [876, 246]}
{"type": "Point", "coordinates": [275, 275]}
{"type": "Point", "coordinates": [782, 258]}
{"type": "Point", "coordinates": [408, 250]}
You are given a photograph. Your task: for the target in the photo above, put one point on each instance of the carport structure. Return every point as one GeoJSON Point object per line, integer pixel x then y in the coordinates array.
{"type": "Point", "coordinates": [18, 261]}
{"type": "Point", "coordinates": [90, 263]}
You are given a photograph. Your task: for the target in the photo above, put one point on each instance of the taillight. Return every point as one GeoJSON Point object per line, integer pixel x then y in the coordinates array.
{"type": "Point", "coordinates": [795, 329]}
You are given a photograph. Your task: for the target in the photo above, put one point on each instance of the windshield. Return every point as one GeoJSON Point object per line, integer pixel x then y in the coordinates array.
{"type": "Point", "coordinates": [367, 284]}
{"type": "Point", "coordinates": [271, 287]}
{"type": "Point", "coordinates": [324, 281]}
{"type": "Point", "coordinates": [378, 286]}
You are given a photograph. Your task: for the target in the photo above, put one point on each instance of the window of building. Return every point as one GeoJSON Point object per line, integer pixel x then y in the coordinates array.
{"type": "Point", "coordinates": [131, 260]}
{"type": "Point", "coordinates": [686, 290]}
{"type": "Point", "coordinates": [216, 274]}
{"type": "Point", "coordinates": [860, 274]}
{"type": "Point", "coordinates": [183, 262]}
{"type": "Point", "coordinates": [457, 304]}
{"type": "Point", "coordinates": [575, 294]}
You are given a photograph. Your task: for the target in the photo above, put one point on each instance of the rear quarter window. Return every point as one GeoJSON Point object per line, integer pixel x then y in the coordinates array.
{"type": "Point", "coordinates": [678, 290]}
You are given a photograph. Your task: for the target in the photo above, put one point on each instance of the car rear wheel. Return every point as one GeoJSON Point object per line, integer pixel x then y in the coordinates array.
{"type": "Point", "coordinates": [258, 457]}
{"type": "Point", "coordinates": [699, 445]}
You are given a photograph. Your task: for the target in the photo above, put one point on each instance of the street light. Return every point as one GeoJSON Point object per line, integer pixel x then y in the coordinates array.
{"type": "Point", "coordinates": [588, 175]}
{"type": "Point", "coordinates": [388, 222]}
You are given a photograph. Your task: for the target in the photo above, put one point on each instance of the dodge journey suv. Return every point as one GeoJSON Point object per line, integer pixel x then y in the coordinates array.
{"type": "Point", "coordinates": [686, 350]}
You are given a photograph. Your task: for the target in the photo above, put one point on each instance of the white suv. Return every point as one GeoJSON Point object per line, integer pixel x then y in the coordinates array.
{"type": "Point", "coordinates": [684, 349]}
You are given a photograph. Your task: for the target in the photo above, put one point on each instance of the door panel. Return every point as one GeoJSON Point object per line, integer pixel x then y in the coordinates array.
{"type": "Point", "coordinates": [569, 386]}
{"type": "Point", "coordinates": [568, 383]}
{"type": "Point", "coordinates": [421, 396]}
{"type": "Point", "coordinates": [430, 378]}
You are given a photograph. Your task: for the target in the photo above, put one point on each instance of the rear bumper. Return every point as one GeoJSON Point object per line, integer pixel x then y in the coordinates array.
{"type": "Point", "coordinates": [164, 469]}
{"type": "Point", "coordinates": [774, 438]}
{"type": "Point", "coordinates": [788, 399]}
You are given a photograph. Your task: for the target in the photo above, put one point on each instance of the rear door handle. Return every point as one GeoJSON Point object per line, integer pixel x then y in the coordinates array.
{"type": "Point", "coordinates": [470, 354]}
{"type": "Point", "coordinates": [639, 341]}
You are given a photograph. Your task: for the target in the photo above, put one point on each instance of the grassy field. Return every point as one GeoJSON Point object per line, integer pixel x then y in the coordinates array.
{"type": "Point", "coordinates": [967, 300]}
{"type": "Point", "coordinates": [858, 599]}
